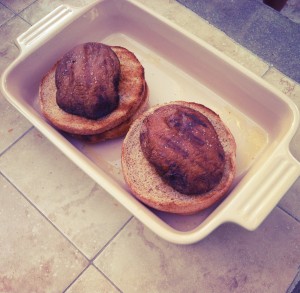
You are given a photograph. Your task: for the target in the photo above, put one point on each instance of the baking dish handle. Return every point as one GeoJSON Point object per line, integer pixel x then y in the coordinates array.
{"type": "Point", "coordinates": [46, 27]}
{"type": "Point", "coordinates": [262, 193]}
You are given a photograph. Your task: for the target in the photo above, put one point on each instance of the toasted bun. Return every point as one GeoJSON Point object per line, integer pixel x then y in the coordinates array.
{"type": "Point", "coordinates": [145, 183]}
{"type": "Point", "coordinates": [121, 129]}
{"type": "Point", "coordinates": [131, 88]}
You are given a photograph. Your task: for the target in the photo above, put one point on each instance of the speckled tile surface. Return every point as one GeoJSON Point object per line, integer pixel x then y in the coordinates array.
{"type": "Point", "coordinates": [17, 5]}
{"type": "Point", "coordinates": [13, 124]}
{"type": "Point", "coordinates": [5, 14]}
{"type": "Point", "coordinates": [61, 232]}
{"type": "Point", "coordinates": [9, 31]}
{"type": "Point", "coordinates": [35, 257]}
{"type": "Point", "coordinates": [74, 203]}
{"type": "Point", "coordinates": [92, 281]}
{"type": "Point", "coordinates": [229, 260]}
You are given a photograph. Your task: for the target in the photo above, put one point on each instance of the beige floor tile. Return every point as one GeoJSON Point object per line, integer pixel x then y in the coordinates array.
{"type": "Point", "coordinates": [81, 209]}
{"type": "Point", "coordinates": [92, 281]}
{"type": "Point", "coordinates": [229, 260]}
{"type": "Point", "coordinates": [8, 33]}
{"type": "Point", "coordinates": [12, 29]}
{"type": "Point", "coordinates": [5, 14]}
{"type": "Point", "coordinates": [8, 52]}
{"type": "Point", "coordinates": [34, 256]}
{"type": "Point", "coordinates": [290, 202]}
{"type": "Point", "coordinates": [17, 5]}
{"type": "Point", "coordinates": [197, 26]}
{"type": "Point", "coordinates": [13, 124]}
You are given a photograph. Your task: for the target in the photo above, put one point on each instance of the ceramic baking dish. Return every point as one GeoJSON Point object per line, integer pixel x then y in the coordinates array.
{"type": "Point", "coordinates": [178, 66]}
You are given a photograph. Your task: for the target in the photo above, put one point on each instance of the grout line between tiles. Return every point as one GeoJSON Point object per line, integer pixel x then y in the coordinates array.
{"type": "Point", "coordinates": [25, 19]}
{"type": "Point", "coordinates": [91, 261]}
{"type": "Point", "coordinates": [45, 217]}
{"type": "Point", "coordinates": [295, 285]}
{"type": "Point", "coordinates": [17, 13]}
{"type": "Point", "coordinates": [76, 278]}
{"type": "Point", "coordinates": [107, 278]}
{"type": "Point", "coordinates": [15, 141]}
{"type": "Point", "coordinates": [111, 239]}
{"type": "Point", "coordinates": [289, 214]}
{"type": "Point", "coordinates": [14, 12]}
{"type": "Point", "coordinates": [82, 272]}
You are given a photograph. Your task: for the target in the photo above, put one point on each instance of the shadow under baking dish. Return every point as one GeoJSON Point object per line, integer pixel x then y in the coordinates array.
{"type": "Point", "coordinates": [177, 67]}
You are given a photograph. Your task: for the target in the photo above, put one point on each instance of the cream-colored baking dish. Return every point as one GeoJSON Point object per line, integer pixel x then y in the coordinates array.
{"type": "Point", "coordinates": [178, 66]}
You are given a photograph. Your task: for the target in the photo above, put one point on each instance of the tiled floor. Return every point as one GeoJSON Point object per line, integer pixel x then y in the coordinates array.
{"type": "Point", "coordinates": [60, 236]}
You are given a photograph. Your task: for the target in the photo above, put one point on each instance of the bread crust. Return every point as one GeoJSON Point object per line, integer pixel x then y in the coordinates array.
{"type": "Point", "coordinates": [146, 185]}
{"type": "Point", "coordinates": [131, 87]}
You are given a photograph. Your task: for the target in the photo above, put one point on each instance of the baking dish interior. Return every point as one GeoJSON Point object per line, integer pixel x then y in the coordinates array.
{"type": "Point", "coordinates": [177, 67]}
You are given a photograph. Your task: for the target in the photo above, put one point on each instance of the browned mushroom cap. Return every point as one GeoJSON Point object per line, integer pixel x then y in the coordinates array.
{"type": "Point", "coordinates": [87, 80]}
{"type": "Point", "coordinates": [184, 148]}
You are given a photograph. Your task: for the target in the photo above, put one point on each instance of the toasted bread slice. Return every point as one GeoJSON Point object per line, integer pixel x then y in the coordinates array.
{"type": "Point", "coordinates": [145, 183]}
{"type": "Point", "coordinates": [131, 88]}
{"type": "Point", "coordinates": [119, 130]}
